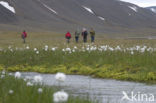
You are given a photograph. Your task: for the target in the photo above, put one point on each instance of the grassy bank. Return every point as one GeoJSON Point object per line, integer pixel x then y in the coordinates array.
{"type": "Point", "coordinates": [13, 90]}
{"type": "Point", "coordinates": [118, 64]}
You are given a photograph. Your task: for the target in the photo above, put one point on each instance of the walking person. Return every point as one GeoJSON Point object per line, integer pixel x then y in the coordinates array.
{"type": "Point", "coordinates": [24, 36]}
{"type": "Point", "coordinates": [77, 33]}
{"type": "Point", "coordinates": [68, 37]}
{"type": "Point", "coordinates": [84, 35]}
{"type": "Point", "coordinates": [92, 35]}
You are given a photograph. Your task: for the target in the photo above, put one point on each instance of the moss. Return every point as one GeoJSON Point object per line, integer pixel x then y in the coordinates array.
{"type": "Point", "coordinates": [85, 70]}
{"type": "Point", "coordinates": [1, 67]}
{"type": "Point", "coordinates": [105, 71]}
{"type": "Point", "coordinates": [151, 76]}
{"type": "Point", "coordinates": [73, 70]}
{"type": "Point", "coordinates": [59, 68]}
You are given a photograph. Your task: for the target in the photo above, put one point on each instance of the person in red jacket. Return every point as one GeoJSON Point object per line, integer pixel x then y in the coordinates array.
{"type": "Point", "coordinates": [68, 37]}
{"type": "Point", "coordinates": [24, 36]}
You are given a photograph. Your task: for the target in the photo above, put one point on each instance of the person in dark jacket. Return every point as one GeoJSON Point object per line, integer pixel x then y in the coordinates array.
{"type": "Point", "coordinates": [84, 35]}
{"type": "Point", "coordinates": [77, 33]}
{"type": "Point", "coordinates": [92, 35]}
{"type": "Point", "coordinates": [68, 37]}
{"type": "Point", "coordinates": [24, 36]}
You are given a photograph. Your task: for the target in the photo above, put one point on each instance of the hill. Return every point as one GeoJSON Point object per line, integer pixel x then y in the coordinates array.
{"type": "Point", "coordinates": [152, 8]}
{"type": "Point", "coordinates": [106, 16]}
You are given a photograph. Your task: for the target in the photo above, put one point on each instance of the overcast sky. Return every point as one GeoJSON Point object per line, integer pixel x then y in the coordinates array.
{"type": "Point", "coordinates": [142, 3]}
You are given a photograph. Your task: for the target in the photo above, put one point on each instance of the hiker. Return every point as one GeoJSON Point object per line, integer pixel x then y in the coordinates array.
{"type": "Point", "coordinates": [92, 35]}
{"type": "Point", "coordinates": [84, 34]}
{"type": "Point", "coordinates": [68, 37]}
{"type": "Point", "coordinates": [77, 33]}
{"type": "Point", "coordinates": [24, 35]}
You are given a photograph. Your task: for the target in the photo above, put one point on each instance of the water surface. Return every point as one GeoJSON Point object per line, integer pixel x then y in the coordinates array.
{"type": "Point", "coordinates": [104, 90]}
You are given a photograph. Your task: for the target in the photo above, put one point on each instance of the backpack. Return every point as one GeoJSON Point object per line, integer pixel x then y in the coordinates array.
{"type": "Point", "coordinates": [25, 34]}
{"type": "Point", "coordinates": [84, 34]}
{"type": "Point", "coordinates": [92, 32]}
{"type": "Point", "coordinates": [68, 35]}
{"type": "Point", "coordinates": [77, 33]}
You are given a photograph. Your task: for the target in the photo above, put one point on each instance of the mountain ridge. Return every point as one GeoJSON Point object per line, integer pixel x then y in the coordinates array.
{"type": "Point", "coordinates": [63, 15]}
{"type": "Point", "coordinates": [152, 8]}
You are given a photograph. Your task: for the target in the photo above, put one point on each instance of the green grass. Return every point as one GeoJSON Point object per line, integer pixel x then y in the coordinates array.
{"type": "Point", "coordinates": [29, 94]}
{"type": "Point", "coordinates": [139, 67]}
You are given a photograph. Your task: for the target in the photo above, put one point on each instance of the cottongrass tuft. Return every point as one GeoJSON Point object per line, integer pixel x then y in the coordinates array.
{"type": "Point", "coordinates": [27, 78]}
{"type": "Point", "coordinates": [40, 90]}
{"type": "Point", "coordinates": [11, 91]}
{"type": "Point", "coordinates": [27, 47]}
{"type": "Point", "coordinates": [60, 96]}
{"type": "Point", "coordinates": [132, 53]}
{"type": "Point", "coordinates": [17, 75]}
{"type": "Point", "coordinates": [37, 52]}
{"type": "Point", "coordinates": [35, 49]}
{"type": "Point", "coordinates": [29, 84]}
{"type": "Point", "coordinates": [60, 77]}
{"type": "Point", "coordinates": [10, 74]}
{"type": "Point", "coordinates": [75, 47]}
{"type": "Point", "coordinates": [38, 79]}
{"type": "Point", "coordinates": [2, 76]}
{"type": "Point", "coordinates": [3, 72]}
{"type": "Point", "coordinates": [46, 46]}
{"type": "Point", "coordinates": [53, 49]}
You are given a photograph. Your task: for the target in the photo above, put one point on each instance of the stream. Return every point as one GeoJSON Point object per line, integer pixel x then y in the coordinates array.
{"type": "Point", "coordinates": [102, 90]}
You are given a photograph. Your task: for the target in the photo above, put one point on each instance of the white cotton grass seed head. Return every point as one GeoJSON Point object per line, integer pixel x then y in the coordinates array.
{"type": "Point", "coordinates": [75, 47]}
{"type": "Point", "coordinates": [27, 47]}
{"type": "Point", "coordinates": [3, 72]}
{"type": "Point", "coordinates": [37, 52]}
{"type": "Point", "coordinates": [35, 49]}
{"type": "Point", "coordinates": [29, 84]}
{"type": "Point", "coordinates": [28, 78]}
{"type": "Point", "coordinates": [53, 49]}
{"type": "Point", "coordinates": [73, 50]}
{"type": "Point", "coordinates": [60, 96]}
{"type": "Point", "coordinates": [11, 91]}
{"type": "Point", "coordinates": [17, 75]}
{"type": "Point", "coordinates": [25, 79]}
{"type": "Point", "coordinates": [2, 76]}
{"type": "Point", "coordinates": [46, 49]}
{"type": "Point", "coordinates": [63, 50]}
{"type": "Point", "coordinates": [132, 53]}
{"type": "Point", "coordinates": [40, 90]}
{"type": "Point", "coordinates": [11, 50]}
{"type": "Point", "coordinates": [46, 46]}
{"type": "Point", "coordinates": [38, 79]}
{"type": "Point", "coordinates": [9, 47]}
{"type": "Point", "coordinates": [60, 77]}
{"type": "Point", "coordinates": [10, 74]}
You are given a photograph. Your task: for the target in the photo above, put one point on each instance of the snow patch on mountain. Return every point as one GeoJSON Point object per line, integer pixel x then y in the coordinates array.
{"type": "Point", "coordinates": [49, 8]}
{"type": "Point", "coordinates": [6, 5]}
{"type": "Point", "coordinates": [88, 9]}
{"type": "Point", "coordinates": [102, 18]}
{"type": "Point", "coordinates": [153, 10]}
{"type": "Point", "coordinates": [133, 8]}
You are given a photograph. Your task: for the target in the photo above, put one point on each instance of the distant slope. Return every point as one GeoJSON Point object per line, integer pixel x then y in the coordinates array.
{"type": "Point", "coordinates": [7, 16]}
{"type": "Point", "coordinates": [152, 8]}
{"type": "Point", "coordinates": [62, 15]}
